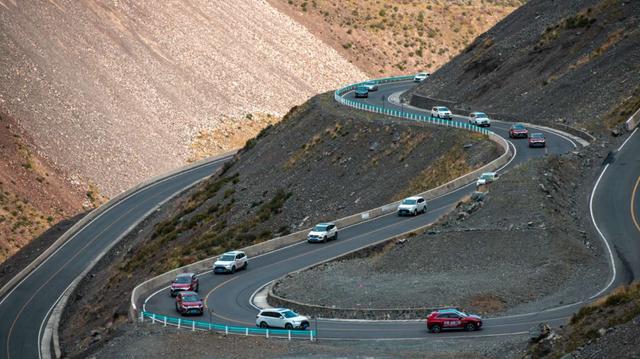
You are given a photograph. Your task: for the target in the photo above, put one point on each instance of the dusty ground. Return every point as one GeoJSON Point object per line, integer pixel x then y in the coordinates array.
{"type": "Point", "coordinates": [575, 62]}
{"type": "Point", "coordinates": [322, 161]}
{"type": "Point", "coordinates": [527, 246]}
{"type": "Point", "coordinates": [154, 341]}
{"type": "Point", "coordinates": [34, 195]}
{"type": "Point", "coordinates": [397, 37]}
{"type": "Point", "coordinates": [114, 92]}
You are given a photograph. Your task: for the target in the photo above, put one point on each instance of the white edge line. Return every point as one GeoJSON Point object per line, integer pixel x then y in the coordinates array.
{"type": "Point", "coordinates": [95, 219]}
{"type": "Point", "coordinates": [604, 239]}
{"type": "Point", "coordinates": [122, 235]}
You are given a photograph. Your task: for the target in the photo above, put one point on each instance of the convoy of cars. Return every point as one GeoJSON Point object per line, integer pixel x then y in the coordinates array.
{"type": "Point", "coordinates": [411, 206]}
{"type": "Point", "coordinates": [186, 285]}
{"type": "Point", "coordinates": [452, 319]}
{"type": "Point", "coordinates": [281, 318]}
{"type": "Point", "coordinates": [230, 262]}
{"type": "Point", "coordinates": [441, 112]}
{"type": "Point", "coordinates": [323, 232]}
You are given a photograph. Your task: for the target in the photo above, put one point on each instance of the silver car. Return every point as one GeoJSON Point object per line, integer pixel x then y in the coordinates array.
{"type": "Point", "coordinates": [412, 206]}
{"type": "Point", "coordinates": [371, 86]}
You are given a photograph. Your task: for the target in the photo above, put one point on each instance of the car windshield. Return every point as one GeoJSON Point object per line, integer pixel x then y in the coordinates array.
{"type": "Point", "coordinates": [290, 314]}
{"type": "Point", "coordinates": [486, 176]}
{"type": "Point", "coordinates": [537, 135]}
{"type": "Point", "coordinates": [227, 258]}
{"type": "Point", "coordinates": [183, 279]}
{"type": "Point", "coordinates": [190, 298]}
{"type": "Point", "coordinates": [443, 109]}
{"type": "Point", "coordinates": [480, 115]}
{"type": "Point", "coordinates": [320, 228]}
{"type": "Point", "coordinates": [361, 89]}
{"type": "Point", "coordinates": [409, 201]}
{"type": "Point", "coordinates": [519, 127]}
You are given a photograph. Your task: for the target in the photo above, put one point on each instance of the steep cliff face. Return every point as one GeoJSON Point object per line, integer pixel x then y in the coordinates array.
{"type": "Point", "coordinates": [569, 61]}
{"type": "Point", "coordinates": [115, 91]}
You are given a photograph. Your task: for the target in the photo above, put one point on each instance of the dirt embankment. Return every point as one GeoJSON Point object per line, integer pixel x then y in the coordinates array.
{"type": "Point", "coordinates": [34, 195]}
{"type": "Point", "coordinates": [114, 92]}
{"type": "Point", "coordinates": [321, 162]}
{"type": "Point", "coordinates": [575, 62]}
{"type": "Point", "coordinates": [528, 245]}
{"type": "Point", "coordinates": [395, 38]}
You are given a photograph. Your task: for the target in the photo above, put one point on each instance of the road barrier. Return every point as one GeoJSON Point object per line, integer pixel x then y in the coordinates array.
{"type": "Point", "coordinates": [280, 242]}
{"type": "Point", "coordinates": [633, 121]}
{"type": "Point", "coordinates": [227, 329]}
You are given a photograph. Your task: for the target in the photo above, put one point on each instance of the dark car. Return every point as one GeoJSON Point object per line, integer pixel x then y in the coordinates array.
{"type": "Point", "coordinates": [518, 131]}
{"type": "Point", "coordinates": [184, 282]}
{"type": "Point", "coordinates": [452, 319]}
{"type": "Point", "coordinates": [362, 91]}
{"type": "Point", "coordinates": [537, 140]}
{"type": "Point", "coordinates": [189, 303]}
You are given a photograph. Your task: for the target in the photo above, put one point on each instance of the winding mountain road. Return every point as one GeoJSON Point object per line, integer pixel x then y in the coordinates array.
{"type": "Point", "coordinates": [231, 296]}
{"type": "Point", "coordinates": [25, 309]}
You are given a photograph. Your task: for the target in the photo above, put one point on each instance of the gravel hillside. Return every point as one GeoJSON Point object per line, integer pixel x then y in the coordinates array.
{"type": "Point", "coordinates": [114, 92]}
{"type": "Point", "coordinates": [527, 246]}
{"type": "Point", "coordinates": [322, 161]}
{"type": "Point", "coordinates": [573, 61]}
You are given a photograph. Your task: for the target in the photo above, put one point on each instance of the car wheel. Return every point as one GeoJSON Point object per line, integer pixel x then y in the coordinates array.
{"type": "Point", "coordinates": [436, 328]}
{"type": "Point", "coordinates": [470, 327]}
{"type": "Point", "coordinates": [246, 264]}
{"type": "Point", "coordinates": [197, 288]}
{"type": "Point", "coordinates": [263, 325]}
{"type": "Point", "coordinates": [288, 326]}
{"type": "Point", "coordinates": [424, 209]}
{"type": "Point", "coordinates": [324, 239]}
{"type": "Point", "coordinates": [415, 212]}
{"type": "Point", "coordinates": [304, 326]}
{"type": "Point", "coordinates": [336, 236]}
{"type": "Point", "coordinates": [233, 269]}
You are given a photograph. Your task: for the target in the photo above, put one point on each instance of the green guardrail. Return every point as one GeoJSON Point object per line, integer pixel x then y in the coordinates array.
{"type": "Point", "coordinates": [339, 96]}
{"type": "Point", "coordinates": [227, 329]}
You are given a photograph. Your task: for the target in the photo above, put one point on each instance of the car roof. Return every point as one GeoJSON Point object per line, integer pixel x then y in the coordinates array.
{"type": "Point", "coordinates": [414, 197]}
{"type": "Point", "coordinates": [185, 274]}
{"type": "Point", "coordinates": [233, 252]}
{"type": "Point", "coordinates": [280, 310]}
{"type": "Point", "coordinates": [325, 224]}
{"type": "Point", "coordinates": [478, 113]}
{"type": "Point", "coordinates": [488, 173]}
{"type": "Point", "coordinates": [441, 311]}
{"type": "Point", "coordinates": [518, 125]}
{"type": "Point", "coordinates": [537, 134]}
{"type": "Point", "coordinates": [442, 108]}
{"type": "Point", "coordinates": [188, 293]}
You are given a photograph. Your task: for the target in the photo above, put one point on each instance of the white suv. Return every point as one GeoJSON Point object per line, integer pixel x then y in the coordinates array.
{"type": "Point", "coordinates": [441, 112]}
{"type": "Point", "coordinates": [281, 318]}
{"type": "Point", "coordinates": [479, 119]}
{"type": "Point", "coordinates": [420, 76]}
{"type": "Point", "coordinates": [486, 177]}
{"type": "Point", "coordinates": [412, 206]}
{"type": "Point", "coordinates": [323, 232]}
{"type": "Point", "coordinates": [230, 262]}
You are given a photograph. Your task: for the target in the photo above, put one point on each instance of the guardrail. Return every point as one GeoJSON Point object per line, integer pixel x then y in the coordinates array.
{"type": "Point", "coordinates": [339, 96]}
{"type": "Point", "coordinates": [633, 121]}
{"type": "Point", "coordinates": [280, 242]}
{"type": "Point", "coordinates": [227, 329]}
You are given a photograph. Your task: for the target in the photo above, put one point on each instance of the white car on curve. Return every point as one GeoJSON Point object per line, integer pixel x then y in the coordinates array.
{"type": "Point", "coordinates": [412, 206]}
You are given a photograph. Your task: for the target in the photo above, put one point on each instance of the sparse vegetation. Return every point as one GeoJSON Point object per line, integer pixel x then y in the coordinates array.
{"type": "Point", "coordinates": [358, 27]}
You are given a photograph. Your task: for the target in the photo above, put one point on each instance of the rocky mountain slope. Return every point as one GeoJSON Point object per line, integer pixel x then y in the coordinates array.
{"type": "Point", "coordinates": [397, 37]}
{"type": "Point", "coordinates": [115, 91]}
{"type": "Point", "coordinates": [33, 194]}
{"type": "Point", "coordinates": [321, 162]}
{"type": "Point", "coordinates": [531, 223]}
{"type": "Point", "coordinates": [575, 62]}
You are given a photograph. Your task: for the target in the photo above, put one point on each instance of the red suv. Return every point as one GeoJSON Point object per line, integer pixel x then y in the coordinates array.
{"type": "Point", "coordinates": [184, 281]}
{"type": "Point", "coordinates": [518, 131]}
{"type": "Point", "coordinates": [189, 303]}
{"type": "Point", "coordinates": [452, 319]}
